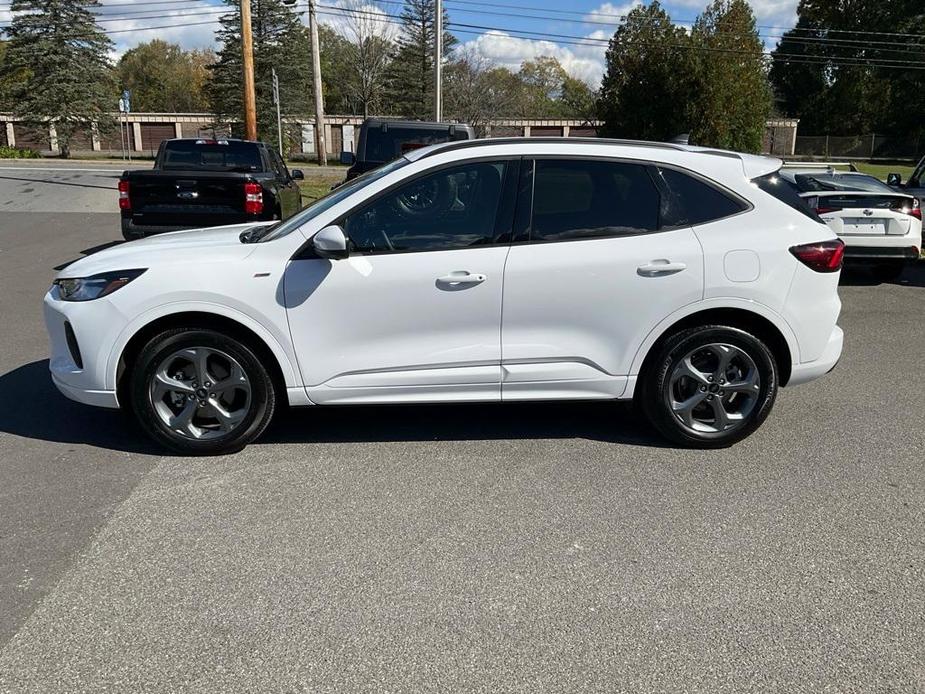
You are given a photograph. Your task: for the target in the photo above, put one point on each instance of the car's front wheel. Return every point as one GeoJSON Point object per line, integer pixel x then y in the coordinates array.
{"type": "Point", "coordinates": [709, 386]}
{"type": "Point", "coordinates": [201, 392]}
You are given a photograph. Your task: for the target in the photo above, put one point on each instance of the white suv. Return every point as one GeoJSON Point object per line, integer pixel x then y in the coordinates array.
{"type": "Point", "coordinates": [690, 280]}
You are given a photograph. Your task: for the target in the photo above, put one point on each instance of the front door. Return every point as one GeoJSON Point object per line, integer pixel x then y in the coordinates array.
{"type": "Point", "coordinates": [414, 314]}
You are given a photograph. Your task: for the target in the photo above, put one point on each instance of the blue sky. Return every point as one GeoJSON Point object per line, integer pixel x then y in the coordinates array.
{"type": "Point", "coordinates": [501, 33]}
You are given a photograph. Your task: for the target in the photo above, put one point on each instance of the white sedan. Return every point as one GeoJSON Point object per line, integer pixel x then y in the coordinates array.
{"type": "Point", "coordinates": [880, 226]}
{"type": "Point", "coordinates": [690, 280]}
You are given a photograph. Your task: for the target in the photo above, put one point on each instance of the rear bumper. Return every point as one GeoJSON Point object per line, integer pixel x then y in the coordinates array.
{"type": "Point", "coordinates": [131, 230]}
{"type": "Point", "coordinates": [881, 252]}
{"type": "Point", "coordinates": [807, 371]}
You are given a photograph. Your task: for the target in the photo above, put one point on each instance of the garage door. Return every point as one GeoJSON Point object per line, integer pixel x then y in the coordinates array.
{"type": "Point", "coordinates": [152, 134]}
{"type": "Point", "coordinates": [582, 132]}
{"type": "Point", "coordinates": [546, 131]}
{"type": "Point", "coordinates": [30, 137]}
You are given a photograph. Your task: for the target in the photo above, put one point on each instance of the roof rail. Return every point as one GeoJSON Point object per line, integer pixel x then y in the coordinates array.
{"type": "Point", "coordinates": [482, 142]}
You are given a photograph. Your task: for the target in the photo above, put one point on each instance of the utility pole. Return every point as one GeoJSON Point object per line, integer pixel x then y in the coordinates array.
{"type": "Point", "coordinates": [316, 78]}
{"type": "Point", "coordinates": [247, 50]}
{"type": "Point", "coordinates": [279, 120]}
{"type": "Point", "coordinates": [438, 63]}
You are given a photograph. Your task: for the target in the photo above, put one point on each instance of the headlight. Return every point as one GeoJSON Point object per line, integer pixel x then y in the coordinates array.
{"type": "Point", "coordinates": [95, 286]}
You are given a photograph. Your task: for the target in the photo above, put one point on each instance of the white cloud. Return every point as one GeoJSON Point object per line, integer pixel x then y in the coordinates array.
{"type": "Point", "coordinates": [610, 11]}
{"type": "Point", "coordinates": [500, 48]}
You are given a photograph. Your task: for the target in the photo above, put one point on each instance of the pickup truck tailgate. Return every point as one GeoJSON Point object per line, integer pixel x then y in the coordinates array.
{"type": "Point", "coordinates": [171, 198]}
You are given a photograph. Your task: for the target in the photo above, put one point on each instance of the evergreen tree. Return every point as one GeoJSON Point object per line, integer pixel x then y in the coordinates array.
{"type": "Point", "coordinates": [733, 98]}
{"type": "Point", "coordinates": [648, 77]}
{"type": "Point", "coordinates": [57, 66]}
{"type": "Point", "coordinates": [411, 73]}
{"type": "Point", "coordinates": [280, 42]}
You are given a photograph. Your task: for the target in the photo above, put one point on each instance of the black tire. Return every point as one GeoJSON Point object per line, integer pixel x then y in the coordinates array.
{"type": "Point", "coordinates": [890, 270]}
{"type": "Point", "coordinates": [656, 389]}
{"type": "Point", "coordinates": [255, 414]}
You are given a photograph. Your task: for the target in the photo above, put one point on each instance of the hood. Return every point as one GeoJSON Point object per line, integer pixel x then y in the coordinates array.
{"type": "Point", "coordinates": [192, 245]}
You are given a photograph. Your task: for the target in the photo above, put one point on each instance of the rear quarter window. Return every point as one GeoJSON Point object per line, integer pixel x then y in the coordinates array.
{"type": "Point", "coordinates": [787, 193]}
{"type": "Point", "coordinates": [694, 201]}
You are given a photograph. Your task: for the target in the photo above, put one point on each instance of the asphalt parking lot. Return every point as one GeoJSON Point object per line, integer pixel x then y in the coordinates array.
{"type": "Point", "coordinates": [549, 547]}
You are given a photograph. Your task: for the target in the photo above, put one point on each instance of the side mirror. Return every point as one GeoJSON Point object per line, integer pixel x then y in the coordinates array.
{"type": "Point", "coordinates": [297, 175]}
{"type": "Point", "coordinates": [331, 243]}
{"type": "Point", "coordinates": [894, 179]}
{"type": "Point", "coordinates": [347, 158]}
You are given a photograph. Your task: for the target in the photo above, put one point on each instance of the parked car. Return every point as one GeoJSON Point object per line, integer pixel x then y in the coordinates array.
{"type": "Point", "coordinates": [880, 227]}
{"type": "Point", "coordinates": [382, 140]}
{"type": "Point", "coordinates": [914, 186]}
{"type": "Point", "coordinates": [201, 182]}
{"type": "Point", "coordinates": [688, 280]}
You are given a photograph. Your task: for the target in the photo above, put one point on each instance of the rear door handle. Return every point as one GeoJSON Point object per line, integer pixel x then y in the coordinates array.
{"type": "Point", "coordinates": [660, 267]}
{"type": "Point", "coordinates": [462, 277]}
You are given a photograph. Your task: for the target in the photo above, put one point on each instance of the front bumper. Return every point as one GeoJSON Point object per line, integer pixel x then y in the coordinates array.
{"type": "Point", "coordinates": [79, 369]}
{"type": "Point", "coordinates": [807, 371]}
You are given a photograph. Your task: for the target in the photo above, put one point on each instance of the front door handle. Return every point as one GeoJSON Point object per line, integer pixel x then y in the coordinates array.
{"type": "Point", "coordinates": [462, 277]}
{"type": "Point", "coordinates": [660, 267]}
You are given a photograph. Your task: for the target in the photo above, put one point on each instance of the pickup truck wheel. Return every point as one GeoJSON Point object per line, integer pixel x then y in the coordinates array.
{"type": "Point", "coordinates": [199, 392]}
{"type": "Point", "coordinates": [709, 386]}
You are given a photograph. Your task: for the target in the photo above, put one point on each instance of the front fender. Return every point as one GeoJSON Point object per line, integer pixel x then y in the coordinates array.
{"type": "Point", "coordinates": [278, 345]}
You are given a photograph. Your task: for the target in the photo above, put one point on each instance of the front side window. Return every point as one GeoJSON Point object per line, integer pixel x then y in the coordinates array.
{"type": "Point", "coordinates": [579, 199]}
{"type": "Point", "coordinates": [451, 208]}
{"type": "Point", "coordinates": [694, 201]}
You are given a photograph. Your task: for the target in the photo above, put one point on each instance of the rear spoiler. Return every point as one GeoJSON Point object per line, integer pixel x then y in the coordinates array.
{"type": "Point", "coordinates": [824, 165]}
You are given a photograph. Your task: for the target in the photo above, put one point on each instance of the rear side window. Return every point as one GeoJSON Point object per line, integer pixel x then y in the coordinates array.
{"type": "Point", "coordinates": [589, 199]}
{"type": "Point", "coordinates": [786, 192]}
{"type": "Point", "coordinates": [696, 202]}
{"type": "Point", "coordinates": [386, 145]}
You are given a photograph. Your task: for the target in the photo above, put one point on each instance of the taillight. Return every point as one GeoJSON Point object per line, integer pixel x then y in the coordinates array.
{"type": "Point", "coordinates": [916, 210]}
{"type": "Point", "coordinates": [124, 202]}
{"type": "Point", "coordinates": [826, 210]}
{"type": "Point", "coordinates": [824, 256]}
{"type": "Point", "coordinates": [253, 198]}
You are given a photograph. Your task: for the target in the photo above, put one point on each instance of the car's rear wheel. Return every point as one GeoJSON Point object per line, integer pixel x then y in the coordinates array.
{"type": "Point", "coordinates": [709, 386]}
{"type": "Point", "coordinates": [201, 392]}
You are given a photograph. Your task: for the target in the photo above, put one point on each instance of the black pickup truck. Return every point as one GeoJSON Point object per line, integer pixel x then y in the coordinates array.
{"type": "Point", "coordinates": [202, 182]}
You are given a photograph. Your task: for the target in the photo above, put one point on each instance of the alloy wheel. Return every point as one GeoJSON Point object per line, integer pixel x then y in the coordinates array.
{"type": "Point", "coordinates": [200, 393]}
{"type": "Point", "coordinates": [714, 388]}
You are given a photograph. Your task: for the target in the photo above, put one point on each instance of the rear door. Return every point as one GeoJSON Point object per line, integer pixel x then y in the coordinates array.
{"type": "Point", "coordinates": [593, 270]}
{"type": "Point", "coordinates": [287, 188]}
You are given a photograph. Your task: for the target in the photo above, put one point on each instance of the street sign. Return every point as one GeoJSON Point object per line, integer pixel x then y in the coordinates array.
{"type": "Point", "coordinates": [126, 101]}
{"type": "Point", "coordinates": [121, 105]}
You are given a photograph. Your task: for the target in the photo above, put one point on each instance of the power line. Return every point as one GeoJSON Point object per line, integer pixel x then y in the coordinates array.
{"type": "Point", "coordinates": [565, 39]}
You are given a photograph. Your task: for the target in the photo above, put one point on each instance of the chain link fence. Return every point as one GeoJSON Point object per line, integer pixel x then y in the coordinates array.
{"type": "Point", "coordinates": [859, 147]}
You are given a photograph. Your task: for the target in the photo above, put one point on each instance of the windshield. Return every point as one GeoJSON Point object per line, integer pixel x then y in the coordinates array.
{"type": "Point", "coordinates": [328, 201]}
{"type": "Point", "coordinates": [210, 156]}
{"type": "Point", "coordinates": [820, 182]}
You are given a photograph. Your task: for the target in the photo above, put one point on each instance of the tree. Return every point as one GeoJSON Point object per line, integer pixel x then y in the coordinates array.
{"type": "Point", "coordinates": [280, 42]}
{"type": "Point", "coordinates": [542, 83]}
{"type": "Point", "coordinates": [733, 97]}
{"type": "Point", "coordinates": [648, 77]}
{"type": "Point", "coordinates": [411, 73]}
{"type": "Point", "coordinates": [578, 100]}
{"type": "Point", "coordinates": [57, 66]}
{"type": "Point", "coordinates": [164, 77]}
{"type": "Point", "coordinates": [476, 92]}
{"type": "Point", "coordinates": [839, 77]}
{"type": "Point", "coordinates": [367, 55]}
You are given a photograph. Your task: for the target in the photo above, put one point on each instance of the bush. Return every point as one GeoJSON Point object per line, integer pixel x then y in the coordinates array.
{"type": "Point", "coordinates": [17, 153]}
